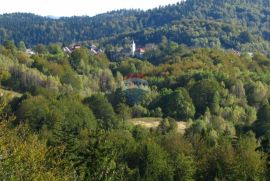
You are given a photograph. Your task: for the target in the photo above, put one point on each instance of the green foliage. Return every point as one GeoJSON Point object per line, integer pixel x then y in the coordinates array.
{"type": "Point", "coordinates": [131, 65]}
{"type": "Point", "coordinates": [245, 37]}
{"type": "Point", "coordinates": [181, 153]}
{"type": "Point", "coordinates": [24, 156]}
{"type": "Point", "coordinates": [10, 46]}
{"type": "Point", "coordinates": [184, 168]}
{"type": "Point", "coordinates": [225, 162]}
{"type": "Point", "coordinates": [262, 125]}
{"type": "Point", "coordinates": [64, 114]}
{"type": "Point", "coordinates": [22, 46]}
{"type": "Point", "coordinates": [178, 105]}
{"type": "Point", "coordinates": [85, 63]}
{"type": "Point", "coordinates": [124, 111]}
{"type": "Point", "coordinates": [237, 24]}
{"type": "Point", "coordinates": [152, 162]}
{"type": "Point", "coordinates": [205, 94]}
{"type": "Point", "coordinates": [35, 111]}
{"type": "Point", "coordinates": [139, 111]}
{"type": "Point", "coordinates": [135, 96]}
{"type": "Point", "coordinates": [41, 49]}
{"type": "Point", "coordinates": [157, 112]}
{"type": "Point", "coordinates": [256, 93]}
{"type": "Point", "coordinates": [98, 160]}
{"type": "Point", "coordinates": [103, 111]}
{"type": "Point", "coordinates": [220, 95]}
{"type": "Point", "coordinates": [250, 166]}
{"type": "Point", "coordinates": [166, 126]}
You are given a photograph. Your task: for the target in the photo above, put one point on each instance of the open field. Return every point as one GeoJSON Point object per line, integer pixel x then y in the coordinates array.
{"type": "Point", "coordinates": [150, 122]}
{"type": "Point", "coordinates": [10, 93]}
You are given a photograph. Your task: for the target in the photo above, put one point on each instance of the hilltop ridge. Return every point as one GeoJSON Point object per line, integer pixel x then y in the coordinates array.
{"type": "Point", "coordinates": [240, 24]}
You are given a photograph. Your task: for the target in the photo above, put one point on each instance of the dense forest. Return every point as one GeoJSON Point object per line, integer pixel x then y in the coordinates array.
{"type": "Point", "coordinates": [198, 109]}
{"type": "Point", "coordinates": [239, 24]}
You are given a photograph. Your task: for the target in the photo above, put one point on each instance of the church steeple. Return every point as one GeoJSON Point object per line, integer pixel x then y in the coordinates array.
{"type": "Point", "coordinates": [133, 48]}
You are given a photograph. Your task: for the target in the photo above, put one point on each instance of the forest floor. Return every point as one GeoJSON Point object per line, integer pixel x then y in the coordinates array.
{"type": "Point", "coordinates": [151, 122]}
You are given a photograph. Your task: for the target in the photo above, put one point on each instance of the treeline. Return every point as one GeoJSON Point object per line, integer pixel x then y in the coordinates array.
{"type": "Point", "coordinates": [242, 25]}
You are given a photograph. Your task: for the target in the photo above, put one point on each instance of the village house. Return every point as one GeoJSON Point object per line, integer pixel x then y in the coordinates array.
{"type": "Point", "coordinates": [76, 46]}
{"type": "Point", "coordinates": [237, 53]}
{"type": "Point", "coordinates": [135, 81]}
{"type": "Point", "coordinates": [67, 50]}
{"type": "Point", "coordinates": [29, 51]}
{"type": "Point", "coordinates": [140, 52]}
{"type": "Point", "coordinates": [95, 49]}
{"type": "Point", "coordinates": [251, 54]}
{"type": "Point", "coordinates": [137, 52]}
{"type": "Point", "coordinates": [92, 48]}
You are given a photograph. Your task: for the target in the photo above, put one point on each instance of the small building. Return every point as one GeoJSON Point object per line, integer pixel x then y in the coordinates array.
{"type": "Point", "coordinates": [235, 52]}
{"type": "Point", "coordinates": [251, 54]}
{"type": "Point", "coordinates": [74, 47]}
{"type": "Point", "coordinates": [140, 52]}
{"type": "Point", "coordinates": [135, 81]}
{"type": "Point", "coordinates": [136, 52]}
{"type": "Point", "coordinates": [29, 51]}
{"type": "Point", "coordinates": [67, 50]}
{"type": "Point", "coordinates": [95, 50]}
{"type": "Point", "coordinates": [135, 75]}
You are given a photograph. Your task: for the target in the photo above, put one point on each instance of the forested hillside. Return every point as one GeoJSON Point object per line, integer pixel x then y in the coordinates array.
{"type": "Point", "coordinates": [68, 116]}
{"type": "Point", "coordinates": [190, 102]}
{"type": "Point", "coordinates": [239, 24]}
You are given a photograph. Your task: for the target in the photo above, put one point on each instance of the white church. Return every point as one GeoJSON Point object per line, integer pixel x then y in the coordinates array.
{"type": "Point", "coordinates": [133, 48]}
{"type": "Point", "coordinates": [136, 52]}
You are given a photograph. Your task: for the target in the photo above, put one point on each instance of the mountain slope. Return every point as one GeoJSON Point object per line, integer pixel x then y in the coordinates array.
{"type": "Point", "coordinates": [225, 23]}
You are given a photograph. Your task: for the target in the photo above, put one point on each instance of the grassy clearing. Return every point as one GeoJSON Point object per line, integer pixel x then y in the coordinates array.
{"type": "Point", "coordinates": [146, 122]}
{"type": "Point", "coordinates": [10, 94]}
{"type": "Point", "coordinates": [154, 122]}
